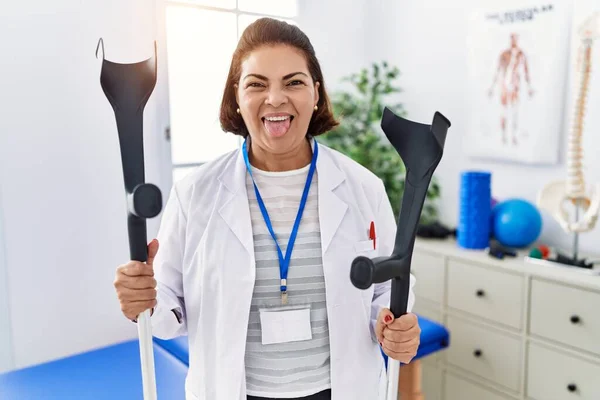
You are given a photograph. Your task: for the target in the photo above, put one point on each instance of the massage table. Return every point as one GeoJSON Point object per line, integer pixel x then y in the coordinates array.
{"type": "Point", "coordinates": [111, 372]}
{"type": "Point", "coordinates": [114, 372]}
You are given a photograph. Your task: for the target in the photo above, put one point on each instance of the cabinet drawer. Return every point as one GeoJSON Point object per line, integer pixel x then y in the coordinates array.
{"type": "Point", "coordinates": [431, 382]}
{"type": "Point", "coordinates": [459, 389]}
{"type": "Point", "coordinates": [489, 354]}
{"type": "Point", "coordinates": [428, 270]}
{"type": "Point", "coordinates": [428, 310]}
{"type": "Point", "coordinates": [558, 376]}
{"type": "Point", "coordinates": [494, 295]}
{"type": "Point", "coordinates": [565, 314]}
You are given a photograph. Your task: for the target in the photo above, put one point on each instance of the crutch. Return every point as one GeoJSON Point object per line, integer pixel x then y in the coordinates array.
{"type": "Point", "coordinates": [421, 147]}
{"type": "Point", "coordinates": [128, 88]}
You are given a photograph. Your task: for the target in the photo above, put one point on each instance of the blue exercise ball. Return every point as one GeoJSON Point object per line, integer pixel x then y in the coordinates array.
{"type": "Point", "coordinates": [516, 223]}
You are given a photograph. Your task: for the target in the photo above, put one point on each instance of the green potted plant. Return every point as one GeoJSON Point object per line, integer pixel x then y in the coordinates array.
{"type": "Point", "coordinates": [360, 136]}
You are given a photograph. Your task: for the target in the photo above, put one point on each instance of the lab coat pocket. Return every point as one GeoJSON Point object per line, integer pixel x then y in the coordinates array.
{"type": "Point", "coordinates": [364, 248]}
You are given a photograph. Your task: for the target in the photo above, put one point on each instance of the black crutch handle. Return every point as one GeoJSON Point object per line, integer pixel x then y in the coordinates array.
{"type": "Point", "coordinates": [421, 147]}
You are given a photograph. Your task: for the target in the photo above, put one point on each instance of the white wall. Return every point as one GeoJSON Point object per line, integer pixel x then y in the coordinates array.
{"type": "Point", "coordinates": [63, 201]}
{"type": "Point", "coordinates": [6, 351]}
{"type": "Point", "coordinates": [337, 33]}
{"type": "Point", "coordinates": [427, 40]}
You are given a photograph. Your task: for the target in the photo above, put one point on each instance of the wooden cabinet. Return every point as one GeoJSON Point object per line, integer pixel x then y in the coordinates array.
{"type": "Point", "coordinates": [518, 330]}
{"type": "Point", "coordinates": [429, 273]}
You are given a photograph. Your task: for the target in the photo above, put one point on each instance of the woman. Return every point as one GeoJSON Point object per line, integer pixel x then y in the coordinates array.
{"type": "Point", "coordinates": [263, 321]}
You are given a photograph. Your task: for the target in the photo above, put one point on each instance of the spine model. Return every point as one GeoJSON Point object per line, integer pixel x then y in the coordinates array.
{"type": "Point", "coordinates": [554, 195]}
{"type": "Point", "coordinates": [576, 189]}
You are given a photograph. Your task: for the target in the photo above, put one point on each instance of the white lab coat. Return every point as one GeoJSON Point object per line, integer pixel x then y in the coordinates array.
{"type": "Point", "coordinates": [205, 268]}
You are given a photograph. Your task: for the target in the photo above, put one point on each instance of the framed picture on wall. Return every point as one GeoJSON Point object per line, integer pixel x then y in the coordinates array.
{"type": "Point", "coordinates": [518, 55]}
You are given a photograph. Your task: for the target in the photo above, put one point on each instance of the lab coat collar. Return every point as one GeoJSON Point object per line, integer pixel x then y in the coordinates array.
{"type": "Point", "coordinates": [235, 209]}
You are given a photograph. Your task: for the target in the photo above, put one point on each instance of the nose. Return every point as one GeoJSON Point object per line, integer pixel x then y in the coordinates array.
{"type": "Point", "coordinates": [276, 96]}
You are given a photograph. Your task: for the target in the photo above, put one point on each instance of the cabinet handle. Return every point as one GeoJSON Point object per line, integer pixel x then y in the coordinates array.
{"type": "Point", "coordinates": [575, 319]}
{"type": "Point", "coordinates": [477, 353]}
{"type": "Point", "coordinates": [480, 293]}
{"type": "Point", "coordinates": [571, 387]}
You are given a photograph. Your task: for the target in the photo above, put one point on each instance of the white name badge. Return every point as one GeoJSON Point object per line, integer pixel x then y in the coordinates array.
{"type": "Point", "coordinates": [285, 325]}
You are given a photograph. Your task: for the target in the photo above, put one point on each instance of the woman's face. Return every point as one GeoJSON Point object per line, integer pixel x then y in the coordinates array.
{"type": "Point", "coordinates": [276, 97]}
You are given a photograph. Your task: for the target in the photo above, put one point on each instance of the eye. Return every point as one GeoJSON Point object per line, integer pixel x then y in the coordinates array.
{"type": "Point", "coordinates": [296, 82]}
{"type": "Point", "coordinates": [254, 85]}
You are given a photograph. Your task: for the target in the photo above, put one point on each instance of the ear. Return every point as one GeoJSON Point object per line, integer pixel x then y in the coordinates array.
{"type": "Point", "coordinates": [317, 85]}
{"type": "Point", "coordinates": [235, 90]}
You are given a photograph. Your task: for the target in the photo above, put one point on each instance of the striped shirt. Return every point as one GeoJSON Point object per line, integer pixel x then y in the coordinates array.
{"type": "Point", "coordinates": [294, 369]}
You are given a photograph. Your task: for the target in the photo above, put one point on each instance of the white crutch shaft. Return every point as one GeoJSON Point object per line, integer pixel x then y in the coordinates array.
{"type": "Point", "coordinates": [147, 355]}
{"type": "Point", "coordinates": [393, 378]}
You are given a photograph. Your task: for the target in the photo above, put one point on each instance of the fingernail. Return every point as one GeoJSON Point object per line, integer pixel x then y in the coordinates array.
{"type": "Point", "coordinates": [387, 318]}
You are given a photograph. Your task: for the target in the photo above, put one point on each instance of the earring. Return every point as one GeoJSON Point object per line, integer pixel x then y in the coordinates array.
{"type": "Point", "coordinates": [316, 107]}
{"type": "Point", "coordinates": [237, 111]}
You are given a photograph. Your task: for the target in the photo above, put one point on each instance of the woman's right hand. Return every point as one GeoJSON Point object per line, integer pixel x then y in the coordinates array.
{"type": "Point", "coordinates": [136, 286]}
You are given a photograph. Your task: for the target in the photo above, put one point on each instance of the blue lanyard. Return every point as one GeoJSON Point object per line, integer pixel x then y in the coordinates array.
{"type": "Point", "coordinates": [284, 262]}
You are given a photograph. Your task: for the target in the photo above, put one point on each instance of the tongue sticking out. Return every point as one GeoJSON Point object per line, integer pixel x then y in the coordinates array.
{"type": "Point", "coordinates": [277, 128]}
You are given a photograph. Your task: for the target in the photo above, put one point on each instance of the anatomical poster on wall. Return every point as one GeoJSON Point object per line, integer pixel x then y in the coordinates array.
{"type": "Point", "coordinates": [517, 67]}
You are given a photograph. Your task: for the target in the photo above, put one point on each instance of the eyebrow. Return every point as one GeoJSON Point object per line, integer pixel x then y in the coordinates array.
{"type": "Point", "coordinates": [264, 78]}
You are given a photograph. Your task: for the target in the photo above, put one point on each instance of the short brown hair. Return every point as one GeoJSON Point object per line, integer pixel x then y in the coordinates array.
{"type": "Point", "coordinates": [269, 31]}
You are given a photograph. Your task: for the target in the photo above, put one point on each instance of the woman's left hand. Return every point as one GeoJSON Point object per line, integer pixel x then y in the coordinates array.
{"type": "Point", "coordinates": [399, 338]}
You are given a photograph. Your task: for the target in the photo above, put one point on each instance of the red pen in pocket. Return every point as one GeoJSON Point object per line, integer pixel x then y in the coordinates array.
{"type": "Point", "coordinates": [372, 235]}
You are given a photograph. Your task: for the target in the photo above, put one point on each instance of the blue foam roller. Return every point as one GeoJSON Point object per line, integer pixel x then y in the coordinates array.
{"type": "Point", "coordinates": [473, 231]}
